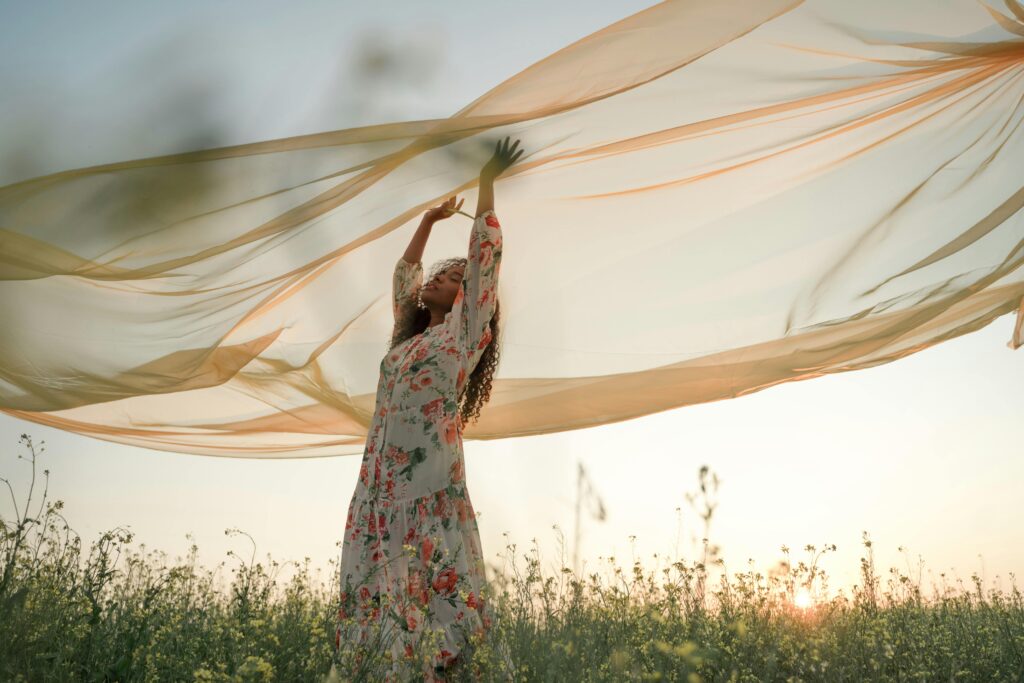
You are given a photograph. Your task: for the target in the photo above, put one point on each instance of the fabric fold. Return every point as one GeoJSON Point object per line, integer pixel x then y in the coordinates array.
{"type": "Point", "coordinates": [717, 196]}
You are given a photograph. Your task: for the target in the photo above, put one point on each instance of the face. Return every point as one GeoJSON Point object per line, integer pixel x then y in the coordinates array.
{"type": "Point", "coordinates": [441, 290]}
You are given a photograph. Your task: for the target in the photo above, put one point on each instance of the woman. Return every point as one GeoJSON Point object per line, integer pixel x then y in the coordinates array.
{"type": "Point", "coordinates": [411, 560]}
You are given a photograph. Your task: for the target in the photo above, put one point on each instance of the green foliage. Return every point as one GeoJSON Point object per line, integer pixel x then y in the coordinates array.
{"type": "Point", "coordinates": [116, 613]}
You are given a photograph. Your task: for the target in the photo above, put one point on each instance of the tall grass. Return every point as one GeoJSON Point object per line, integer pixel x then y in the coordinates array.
{"type": "Point", "coordinates": [120, 613]}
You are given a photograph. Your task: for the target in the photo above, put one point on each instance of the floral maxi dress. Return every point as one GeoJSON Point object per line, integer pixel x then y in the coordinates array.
{"type": "Point", "coordinates": [411, 559]}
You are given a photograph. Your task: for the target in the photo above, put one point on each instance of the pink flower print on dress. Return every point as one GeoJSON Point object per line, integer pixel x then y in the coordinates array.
{"type": "Point", "coordinates": [445, 581]}
{"type": "Point", "coordinates": [397, 455]}
{"type": "Point", "coordinates": [451, 432]}
{"type": "Point", "coordinates": [485, 339]}
{"type": "Point", "coordinates": [455, 472]}
{"type": "Point", "coordinates": [426, 550]}
{"type": "Point", "coordinates": [418, 587]}
{"type": "Point", "coordinates": [423, 379]}
{"type": "Point", "coordinates": [486, 254]}
{"type": "Point", "coordinates": [433, 410]}
{"type": "Point", "coordinates": [441, 505]}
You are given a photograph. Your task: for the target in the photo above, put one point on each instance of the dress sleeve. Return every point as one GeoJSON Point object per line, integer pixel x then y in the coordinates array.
{"type": "Point", "coordinates": [477, 296]}
{"type": "Point", "coordinates": [406, 280]}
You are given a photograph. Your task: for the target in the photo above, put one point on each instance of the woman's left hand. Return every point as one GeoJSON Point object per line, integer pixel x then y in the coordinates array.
{"type": "Point", "coordinates": [504, 156]}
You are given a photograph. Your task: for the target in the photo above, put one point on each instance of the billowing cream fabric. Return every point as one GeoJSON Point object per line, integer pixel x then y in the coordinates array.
{"type": "Point", "coordinates": [718, 196]}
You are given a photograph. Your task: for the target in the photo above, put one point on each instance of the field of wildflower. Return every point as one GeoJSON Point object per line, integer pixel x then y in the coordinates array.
{"type": "Point", "coordinates": [115, 612]}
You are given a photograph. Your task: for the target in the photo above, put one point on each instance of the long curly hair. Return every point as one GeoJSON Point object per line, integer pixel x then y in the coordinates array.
{"type": "Point", "coordinates": [413, 320]}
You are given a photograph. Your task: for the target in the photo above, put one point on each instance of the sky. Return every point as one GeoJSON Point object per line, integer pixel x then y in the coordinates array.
{"type": "Point", "coordinates": [924, 454]}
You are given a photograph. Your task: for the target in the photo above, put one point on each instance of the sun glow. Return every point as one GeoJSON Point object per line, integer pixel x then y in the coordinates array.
{"type": "Point", "coordinates": [803, 599]}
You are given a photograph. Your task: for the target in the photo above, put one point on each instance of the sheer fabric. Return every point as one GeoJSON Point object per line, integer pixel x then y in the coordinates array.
{"type": "Point", "coordinates": [718, 196]}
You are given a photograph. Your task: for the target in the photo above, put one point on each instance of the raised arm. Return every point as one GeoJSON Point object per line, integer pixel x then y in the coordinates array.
{"type": "Point", "coordinates": [476, 301]}
{"type": "Point", "coordinates": [504, 156]}
{"type": "Point", "coordinates": [405, 280]}
{"type": "Point", "coordinates": [477, 298]}
{"type": "Point", "coordinates": [408, 273]}
{"type": "Point", "coordinates": [414, 252]}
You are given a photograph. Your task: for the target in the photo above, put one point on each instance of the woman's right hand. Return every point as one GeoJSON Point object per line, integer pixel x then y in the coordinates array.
{"type": "Point", "coordinates": [443, 211]}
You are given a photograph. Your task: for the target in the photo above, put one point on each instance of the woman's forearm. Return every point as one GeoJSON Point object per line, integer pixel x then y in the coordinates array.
{"type": "Point", "coordinates": [485, 198]}
{"type": "Point", "coordinates": [414, 252]}
{"type": "Point", "coordinates": [504, 156]}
